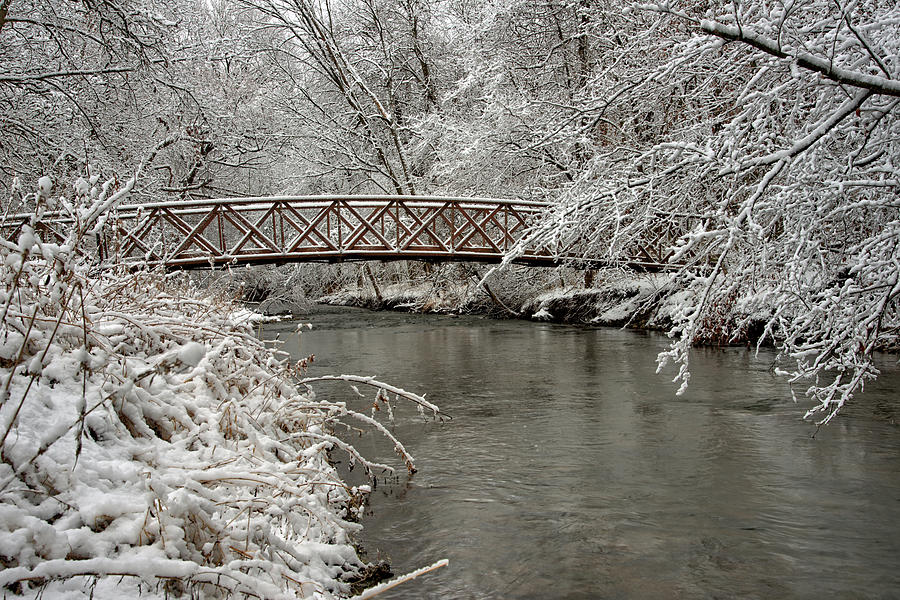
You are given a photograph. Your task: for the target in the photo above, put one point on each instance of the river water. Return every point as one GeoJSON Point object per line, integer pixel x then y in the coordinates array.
{"type": "Point", "coordinates": [571, 470]}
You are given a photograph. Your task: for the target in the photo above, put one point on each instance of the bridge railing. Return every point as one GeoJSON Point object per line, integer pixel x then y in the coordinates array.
{"type": "Point", "coordinates": [206, 233]}
{"type": "Point", "coordinates": [257, 230]}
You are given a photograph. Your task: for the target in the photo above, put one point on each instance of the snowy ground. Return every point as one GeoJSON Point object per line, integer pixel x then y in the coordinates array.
{"type": "Point", "coordinates": [152, 446]}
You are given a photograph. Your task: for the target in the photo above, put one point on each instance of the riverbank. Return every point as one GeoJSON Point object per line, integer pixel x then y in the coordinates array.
{"type": "Point", "coordinates": [619, 300]}
{"type": "Point", "coordinates": [609, 297]}
{"type": "Point", "coordinates": [151, 445]}
{"type": "Point", "coordinates": [154, 447]}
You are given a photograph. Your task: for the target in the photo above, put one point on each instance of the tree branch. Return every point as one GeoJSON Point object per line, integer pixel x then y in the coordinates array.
{"type": "Point", "coordinates": [4, 11]}
{"type": "Point", "coordinates": [879, 85]}
{"type": "Point", "coordinates": [55, 74]}
{"type": "Point", "coordinates": [803, 144]}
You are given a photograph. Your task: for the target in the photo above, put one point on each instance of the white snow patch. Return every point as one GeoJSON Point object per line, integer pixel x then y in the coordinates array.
{"type": "Point", "coordinates": [45, 186]}
{"type": "Point", "coordinates": [122, 469]}
{"type": "Point", "coordinates": [192, 353]}
{"type": "Point", "coordinates": [542, 315]}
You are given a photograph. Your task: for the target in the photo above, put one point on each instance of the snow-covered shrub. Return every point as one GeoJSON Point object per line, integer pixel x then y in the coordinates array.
{"type": "Point", "coordinates": [149, 440]}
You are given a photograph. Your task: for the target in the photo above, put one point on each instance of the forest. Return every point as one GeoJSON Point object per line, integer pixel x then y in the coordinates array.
{"type": "Point", "coordinates": [765, 132]}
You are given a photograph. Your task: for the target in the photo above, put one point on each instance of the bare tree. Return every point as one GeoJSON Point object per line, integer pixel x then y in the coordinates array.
{"type": "Point", "coordinates": [64, 67]}
{"type": "Point", "coordinates": [349, 74]}
{"type": "Point", "coordinates": [97, 83]}
{"type": "Point", "coordinates": [525, 116]}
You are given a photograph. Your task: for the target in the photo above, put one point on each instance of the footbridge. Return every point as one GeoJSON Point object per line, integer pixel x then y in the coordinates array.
{"type": "Point", "coordinates": [196, 234]}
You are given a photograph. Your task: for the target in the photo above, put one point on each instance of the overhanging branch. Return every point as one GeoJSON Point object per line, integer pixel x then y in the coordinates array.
{"type": "Point", "coordinates": [878, 85]}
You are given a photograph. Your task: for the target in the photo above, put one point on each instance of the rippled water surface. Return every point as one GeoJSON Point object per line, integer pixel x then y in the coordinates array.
{"type": "Point", "coordinates": [571, 470]}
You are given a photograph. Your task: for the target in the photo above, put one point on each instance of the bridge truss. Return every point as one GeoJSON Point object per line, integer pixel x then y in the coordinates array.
{"type": "Point", "coordinates": [272, 230]}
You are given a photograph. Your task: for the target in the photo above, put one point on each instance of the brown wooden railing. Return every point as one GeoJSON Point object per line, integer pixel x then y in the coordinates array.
{"type": "Point", "coordinates": [261, 230]}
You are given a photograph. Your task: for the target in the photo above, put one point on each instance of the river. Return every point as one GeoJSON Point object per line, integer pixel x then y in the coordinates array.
{"type": "Point", "coordinates": [571, 470]}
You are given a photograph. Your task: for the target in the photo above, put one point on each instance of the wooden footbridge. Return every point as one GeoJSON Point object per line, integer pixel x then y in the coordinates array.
{"type": "Point", "coordinates": [273, 230]}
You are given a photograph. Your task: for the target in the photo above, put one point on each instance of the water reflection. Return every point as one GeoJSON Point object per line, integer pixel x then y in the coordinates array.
{"type": "Point", "coordinates": [571, 470]}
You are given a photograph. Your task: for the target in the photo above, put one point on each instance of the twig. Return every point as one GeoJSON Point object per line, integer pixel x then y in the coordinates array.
{"type": "Point", "coordinates": [420, 400]}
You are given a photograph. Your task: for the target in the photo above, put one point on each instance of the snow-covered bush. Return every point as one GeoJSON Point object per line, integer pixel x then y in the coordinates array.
{"type": "Point", "coordinates": [149, 440]}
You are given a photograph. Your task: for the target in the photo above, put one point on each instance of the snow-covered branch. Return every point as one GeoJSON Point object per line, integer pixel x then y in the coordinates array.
{"type": "Point", "coordinates": [827, 67]}
{"type": "Point", "coordinates": [782, 145]}
{"type": "Point", "coordinates": [371, 381]}
{"type": "Point", "coordinates": [26, 77]}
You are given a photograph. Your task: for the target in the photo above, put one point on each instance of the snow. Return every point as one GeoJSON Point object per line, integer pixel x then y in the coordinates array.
{"type": "Point", "coordinates": [153, 446]}
{"type": "Point", "coordinates": [82, 187]}
{"type": "Point", "coordinates": [45, 185]}
{"type": "Point", "coordinates": [542, 315]}
{"type": "Point", "coordinates": [613, 301]}
{"type": "Point", "coordinates": [192, 353]}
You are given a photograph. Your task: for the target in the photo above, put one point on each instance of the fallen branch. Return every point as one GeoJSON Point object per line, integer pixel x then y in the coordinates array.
{"type": "Point", "coordinates": [371, 381]}
{"type": "Point", "coordinates": [383, 587]}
